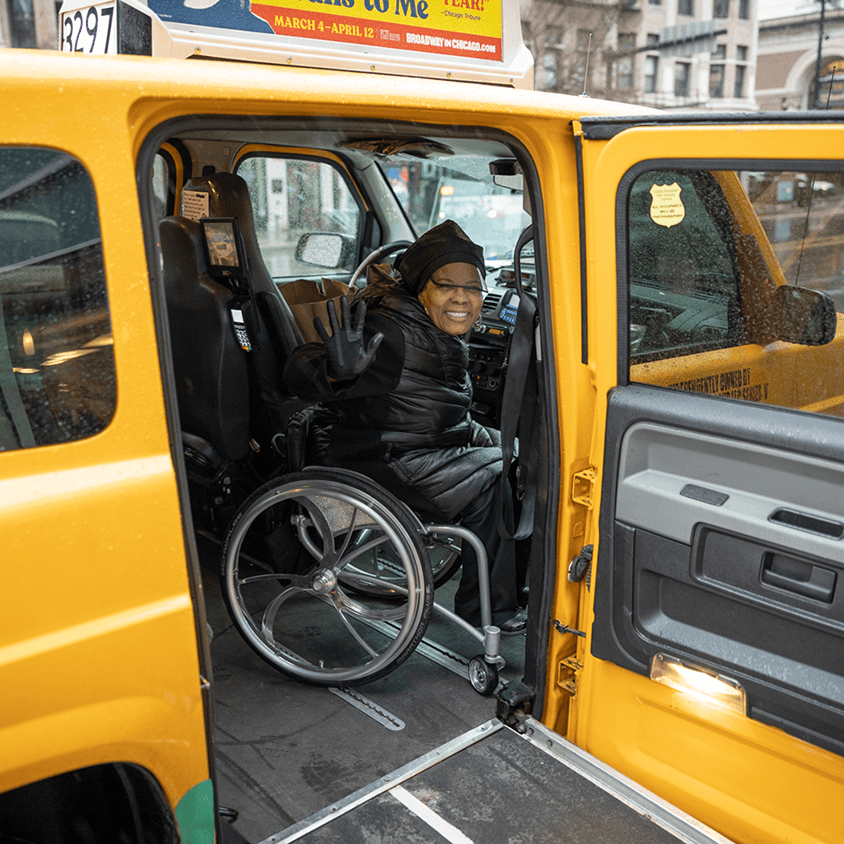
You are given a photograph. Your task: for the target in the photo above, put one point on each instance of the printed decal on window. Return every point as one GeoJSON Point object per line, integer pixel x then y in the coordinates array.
{"type": "Point", "coordinates": [666, 206]}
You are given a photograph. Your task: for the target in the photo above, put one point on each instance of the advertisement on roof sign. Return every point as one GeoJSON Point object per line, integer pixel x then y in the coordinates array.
{"type": "Point", "coordinates": [468, 28]}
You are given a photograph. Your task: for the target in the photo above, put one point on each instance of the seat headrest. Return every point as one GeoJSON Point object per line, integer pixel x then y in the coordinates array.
{"type": "Point", "coordinates": [229, 197]}
{"type": "Point", "coordinates": [182, 248]}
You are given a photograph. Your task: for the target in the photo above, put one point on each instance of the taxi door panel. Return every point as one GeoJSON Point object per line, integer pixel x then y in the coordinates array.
{"type": "Point", "coordinates": [712, 669]}
{"type": "Point", "coordinates": [725, 552]}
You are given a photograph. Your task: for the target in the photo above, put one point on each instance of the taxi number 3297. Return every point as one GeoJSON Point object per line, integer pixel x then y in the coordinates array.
{"type": "Point", "coordinates": [90, 30]}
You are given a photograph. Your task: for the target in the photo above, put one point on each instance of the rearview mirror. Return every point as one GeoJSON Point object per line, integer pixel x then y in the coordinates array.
{"type": "Point", "coordinates": [507, 173]}
{"type": "Point", "coordinates": [329, 250]}
{"type": "Point", "coordinates": [804, 316]}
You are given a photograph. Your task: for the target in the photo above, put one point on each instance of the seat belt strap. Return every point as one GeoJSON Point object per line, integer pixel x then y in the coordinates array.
{"type": "Point", "coordinates": [517, 413]}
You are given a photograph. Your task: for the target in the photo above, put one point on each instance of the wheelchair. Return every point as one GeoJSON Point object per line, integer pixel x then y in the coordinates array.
{"type": "Point", "coordinates": [326, 575]}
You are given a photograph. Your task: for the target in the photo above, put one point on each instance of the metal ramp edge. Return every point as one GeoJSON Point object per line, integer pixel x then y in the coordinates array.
{"type": "Point", "coordinates": [580, 767]}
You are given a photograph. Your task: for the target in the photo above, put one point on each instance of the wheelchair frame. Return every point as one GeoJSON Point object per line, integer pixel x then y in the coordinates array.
{"type": "Point", "coordinates": [367, 572]}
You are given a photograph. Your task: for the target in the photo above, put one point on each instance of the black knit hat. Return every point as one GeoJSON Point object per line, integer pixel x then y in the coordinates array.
{"type": "Point", "coordinates": [445, 244]}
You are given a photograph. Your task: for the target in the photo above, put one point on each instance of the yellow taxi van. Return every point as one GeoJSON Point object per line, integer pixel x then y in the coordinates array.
{"type": "Point", "coordinates": [663, 333]}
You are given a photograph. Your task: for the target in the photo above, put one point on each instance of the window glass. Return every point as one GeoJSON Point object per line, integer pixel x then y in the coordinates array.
{"type": "Point", "coordinates": [651, 67]}
{"type": "Point", "coordinates": [460, 188]}
{"type": "Point", "coordinates": [716, 81]}
{"type": "Point", "coordinates": [685, 7]}
{"type": "Point", "coordinates": [549, 70]}
{"type": "Point", "coordinates": [295, 196]}
{"type": "Point", "coordinates": [553, 43]}
{"type": "Point", "coordinates": [679, 255]}
{"type": "Point", "coordinates": [738, 90]}
{"type": "Point", "coordinates": [736, 285]}
{"type": "Point", "coordinates": [22, 23]}
{"type": "Point", "coordinates": [721, 8]}
{"type": "Point", "coordinates": [626, 44]}
{"type": "Point", "coordinates": [681, 79]}
{"type": "Point", "coordinates": [57, 380]}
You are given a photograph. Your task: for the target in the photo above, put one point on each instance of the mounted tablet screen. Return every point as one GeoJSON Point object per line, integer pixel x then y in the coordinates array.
{"type": "Point", "coordinates": [223, 247]}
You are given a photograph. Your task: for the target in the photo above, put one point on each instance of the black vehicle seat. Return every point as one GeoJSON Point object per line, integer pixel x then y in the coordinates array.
{"type": "Point", "coordinates": [210, 367]}
{"type": "Point", "coordinates": [275, 331]}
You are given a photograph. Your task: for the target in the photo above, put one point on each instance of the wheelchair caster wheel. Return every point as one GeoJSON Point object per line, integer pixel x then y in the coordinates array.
{"type": "Point", "coordinates": [482, 675]}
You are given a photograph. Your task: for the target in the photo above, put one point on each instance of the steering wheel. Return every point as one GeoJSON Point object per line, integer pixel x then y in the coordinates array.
{"type": "Point", "coordinates": [380, 252]}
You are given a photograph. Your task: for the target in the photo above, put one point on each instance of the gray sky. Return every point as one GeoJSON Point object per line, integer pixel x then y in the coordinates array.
{"type": "Point", "coordinates": [782, 8]}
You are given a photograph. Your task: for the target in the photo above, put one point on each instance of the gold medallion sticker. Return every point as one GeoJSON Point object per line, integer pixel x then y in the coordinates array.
{"type": "Point", "coordinates": [667, 208]}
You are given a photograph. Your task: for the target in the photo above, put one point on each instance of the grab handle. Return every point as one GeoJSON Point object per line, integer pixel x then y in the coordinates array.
{"type": "Point", "coordinates": [808, 522]}
{"type": "Point", "coordinates": [798, 576]}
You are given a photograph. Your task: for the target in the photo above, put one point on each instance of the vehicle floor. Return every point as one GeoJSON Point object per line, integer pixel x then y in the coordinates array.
{"type": "Point", "coordinates": [285, 750]}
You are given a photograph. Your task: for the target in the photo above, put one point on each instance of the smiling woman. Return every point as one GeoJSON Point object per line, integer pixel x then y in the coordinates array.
{"type": "Point", "coordinates": [445, 270]}
{"type": "Point", "coordinates": [396, 381]}
{"type": "Point", "coordinates": [453, 297]}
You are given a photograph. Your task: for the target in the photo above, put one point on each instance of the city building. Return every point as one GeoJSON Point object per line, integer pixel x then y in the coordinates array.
{"type": "Point", "coordinates": [801, 59]}
{"type": "Point", "coordinates": [29, 23]}
{"type": "Point", "coordinates": [671, 54]}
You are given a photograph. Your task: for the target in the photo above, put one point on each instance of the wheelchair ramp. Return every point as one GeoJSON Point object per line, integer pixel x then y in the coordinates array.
{"type": "Point", "coordinates": [494, 786]}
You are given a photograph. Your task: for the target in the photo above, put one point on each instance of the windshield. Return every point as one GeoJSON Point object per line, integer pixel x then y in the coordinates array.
{"type": "Point", "coordinates": [460, 188]}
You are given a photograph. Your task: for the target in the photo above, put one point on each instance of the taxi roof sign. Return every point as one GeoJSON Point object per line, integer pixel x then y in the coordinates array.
{"type": "Point", "coordinates": [466, 40]}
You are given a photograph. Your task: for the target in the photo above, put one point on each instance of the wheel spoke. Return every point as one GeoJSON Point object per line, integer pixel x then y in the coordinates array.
{"type": "Point", "coordinates": [323, 528]}
{"type": "Point", "coordinates": [268, 617]}
{"type": "Point", "coordinates": [301, 581]}
{"type": "Point", "coordinates": [357, 578]}
{"type": "Point", "coordinates": [349, 532]}
{"type": "Point", "coordinates": [357, 551]}
{"type": "Point", "coordinates": [338, 605]}
{"type": "Point", "coordinates": [392, 611]}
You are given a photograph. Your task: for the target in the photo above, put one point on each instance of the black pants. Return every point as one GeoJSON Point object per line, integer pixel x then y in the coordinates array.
{"type": "Point", "coordinates": [481, 517]}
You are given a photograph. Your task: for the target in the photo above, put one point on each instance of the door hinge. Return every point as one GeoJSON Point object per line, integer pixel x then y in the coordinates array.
{"type": "Point", "coordinates": [569, 669]}
{"type": "Point", "coordinates": [582, 483]}
{"type": "Point", "coordinates": [563, 628]}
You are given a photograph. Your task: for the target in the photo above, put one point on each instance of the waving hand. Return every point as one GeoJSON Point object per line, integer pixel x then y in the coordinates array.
{"type": "Point", "coordinates": [346, 354]}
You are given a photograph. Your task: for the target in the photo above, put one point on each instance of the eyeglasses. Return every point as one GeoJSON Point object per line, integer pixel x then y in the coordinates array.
{"type": "Point", "coordinates": [471, 289]}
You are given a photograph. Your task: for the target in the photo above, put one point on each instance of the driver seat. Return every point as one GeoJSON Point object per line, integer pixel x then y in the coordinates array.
{"type": "Point", "coordinates": [274, 326]}
{"type": "Point", "coordinates": [210, 367]}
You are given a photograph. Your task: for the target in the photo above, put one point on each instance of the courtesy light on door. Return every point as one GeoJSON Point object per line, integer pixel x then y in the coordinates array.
{"type": "Point", "coordinates": [698, 683]}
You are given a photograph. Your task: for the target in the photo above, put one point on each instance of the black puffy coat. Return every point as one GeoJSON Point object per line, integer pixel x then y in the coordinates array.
{"type": "Point", "coordinates": [405, 420]}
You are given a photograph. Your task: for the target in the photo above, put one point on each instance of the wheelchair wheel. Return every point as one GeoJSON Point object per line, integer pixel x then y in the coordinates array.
{"type": "Point", "coordinates": [388, 576]}
{"type": "Point", "coordinates": [292, 581]}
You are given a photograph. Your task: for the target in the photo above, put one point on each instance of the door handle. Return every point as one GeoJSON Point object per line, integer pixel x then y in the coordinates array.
{"type": "Point", "coordinates": [808, 522]}
{"type": "Point", "coordinates": [798, 576]}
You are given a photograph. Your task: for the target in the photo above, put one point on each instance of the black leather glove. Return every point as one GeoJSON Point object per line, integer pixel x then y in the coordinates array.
{"type": "Point", "coordinates": [344, 347]}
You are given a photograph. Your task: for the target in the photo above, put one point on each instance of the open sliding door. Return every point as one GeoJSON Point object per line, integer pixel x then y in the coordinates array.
{"type": "Point", "coordinates": [715, 665]}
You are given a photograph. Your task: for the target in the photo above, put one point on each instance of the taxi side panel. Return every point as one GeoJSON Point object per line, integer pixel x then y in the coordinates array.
{"type": "Point", "coordinates": [98, 638]}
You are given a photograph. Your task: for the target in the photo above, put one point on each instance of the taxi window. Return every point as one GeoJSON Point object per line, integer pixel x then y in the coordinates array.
{"type": "Point", "coordinates": [295, 196]}
{"type": "Point", "coordinates": [735, 284]}
{"type": "Point", "coordinates": [684, 279]}
{"type": "Point", "coordinates": [57, 380]}
{"type": "Point", "coordinates": [460, 188]}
